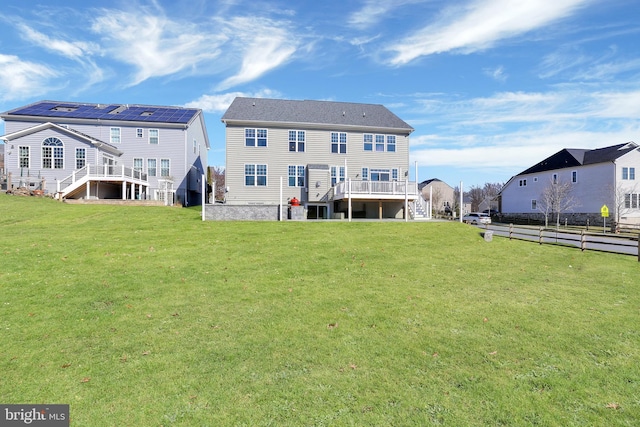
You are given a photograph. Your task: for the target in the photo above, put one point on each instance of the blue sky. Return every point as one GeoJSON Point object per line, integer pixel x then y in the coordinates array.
{"type": "Point", "coordinates": [490, 86]}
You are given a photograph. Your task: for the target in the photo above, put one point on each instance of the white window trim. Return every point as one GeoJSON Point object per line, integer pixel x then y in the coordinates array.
{"type": "Point", "coordinates": [28, 156]}
{"type": "Point", "coordinates": [80, 149]}
{"type": "Point", "coordinates": [111, 136]}
{"type": "Point", "coordinates": [157, 137]}
{"type": "Point", "coordinates": [156, 167]}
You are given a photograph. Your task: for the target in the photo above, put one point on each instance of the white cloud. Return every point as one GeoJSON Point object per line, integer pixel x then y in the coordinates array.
{"type": "Point", "coordinates": [23, 79]}
{"type": "Point", "coordinates": [506, 133]}
{"type": "Point", "coordinates": [479, 25]}
{"type": "Point", "coordinates": [374, 11]}
{"type": "Point", "coordinates": [155, 45]}
{"type": "Point", "coordinates": [73, 50]}
{"type": "Point", "coordinates": [218, 103]}
{"type": "Point", "coordinates": [497, 73]}
{"type": "Point", "coordinates": [267, 46]}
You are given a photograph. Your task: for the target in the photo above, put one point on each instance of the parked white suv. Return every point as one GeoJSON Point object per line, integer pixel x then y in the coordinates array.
{"type": "Point", "coordinates": [476, 218]}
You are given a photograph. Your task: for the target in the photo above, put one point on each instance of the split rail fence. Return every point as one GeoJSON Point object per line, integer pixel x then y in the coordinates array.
{"type": "Point", "coordinates": [604, 242]}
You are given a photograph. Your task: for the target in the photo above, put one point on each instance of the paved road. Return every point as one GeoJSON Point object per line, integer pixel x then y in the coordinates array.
{"type": "Point", "coordinates": [605, 242]}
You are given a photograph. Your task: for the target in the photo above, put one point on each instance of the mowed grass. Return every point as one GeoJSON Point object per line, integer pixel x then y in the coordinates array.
{"type": "Point", "coordinates": [148, 316]}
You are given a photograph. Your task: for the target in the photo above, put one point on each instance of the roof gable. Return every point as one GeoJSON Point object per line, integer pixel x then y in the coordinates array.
{"type": "Point", "coordinates": [87, 138]}
{"type": "Point", "coordinates": [573, 157]}
{"type": "Point", "coordinates": [119, 112]}
{"type": "Point", "coordinates": [309, 112]}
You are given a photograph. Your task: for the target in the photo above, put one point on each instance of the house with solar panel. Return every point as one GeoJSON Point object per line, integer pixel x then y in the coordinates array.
{"type": "Point", "coordinates": [333, 159]}
{"type": "Point", "coordinates": [596, 178]}
{"type": "Point", "coordinates": [107, 151]}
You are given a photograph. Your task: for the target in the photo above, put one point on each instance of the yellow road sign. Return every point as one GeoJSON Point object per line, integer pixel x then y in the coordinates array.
{"type": "Point", "coordinates": [604, 210]}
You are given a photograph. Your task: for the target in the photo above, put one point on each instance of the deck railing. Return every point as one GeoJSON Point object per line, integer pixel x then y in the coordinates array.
{"type": "Point", "coordinates": [103, 172]}
{"type": "Point", "coordinates": [375, 188]}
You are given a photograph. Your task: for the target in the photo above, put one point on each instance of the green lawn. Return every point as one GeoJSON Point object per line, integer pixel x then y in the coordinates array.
{"type": "Point", "coordinates": [147, 316]}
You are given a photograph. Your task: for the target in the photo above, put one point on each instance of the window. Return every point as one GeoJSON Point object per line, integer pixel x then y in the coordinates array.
{"type": "Point", "coordinates": [195, 147]}
{"type": "Point", "coordinates": [255, 137]}
{"type": "Point", "coordinates": [365, 174]}
{"type": "Point", "coordinates": [379, 142]}
{"type": "Point", "coordinates": [52, 154]}
{"type": "Point", "coordinates": [154, 136]}
{"type": "Point", "coordinates": [114, 137]}
{"type": "Point", "coordinates": [296, 140]}
{"type": "Point", "coordinates": [23, 157]}
{"type": "Point", "coordinates": [139, 133]}
{"type": "Point", "coordinates": [165, 167]}
{"type": "Point", "coordinates": [535, 179]}
{"type": "Point", "coordinates": [335, 178]}
{"type": "Point", "coordinates": [534, 204]}
{"type": "Point", "coordinates": [555, 178]}
{"type": "Point", "coordinates": [339, 142]}
{"type": "Point", "coordinates": [368, 142]}
{"type": "Point", "coordinates": [380, 175]}
{"type": "Point", "coordinates": [632, 173]}
{"type": "Point", "coordinates": [574, 176]}
{"type": "Point", "coordinates": [627, 201]}
{"type": "Point", "coordinates": [394, 174]}
{"type": "Point", "coordinates": [522, 183]}
{"type": "Point", "coordinates": [296, 176]}
{"type": "Point", "coordinates": [625, 173]}
{"type": "Point", "coordinates": [391, 143]}
{"type": "Point", "coordinates": [634, 201]}
{"type": "Point", "coordinates": [81, 158]}
{"type": "Point", "coordinates": [255, 175]}
{"type": "Point", "coordinates": [137, 164]}
{"type": "Point", "coordinates": [151, 167]}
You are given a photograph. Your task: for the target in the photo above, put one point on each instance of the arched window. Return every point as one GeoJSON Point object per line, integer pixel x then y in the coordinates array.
{"type": "Point", "coordinates": [52, 154]}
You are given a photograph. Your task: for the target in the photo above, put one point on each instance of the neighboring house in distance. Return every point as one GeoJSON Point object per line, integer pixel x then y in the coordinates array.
{"type": "Point", "coordinates": [443, 199]}
{"type": "Point", "coordinates": [466, 205]}
{"type": "Point", "coordinates": [603, 176]}
{"type": "Point", "coordinates": [336, 158]}
{"type": "Point", "coordinates": [108, 151]}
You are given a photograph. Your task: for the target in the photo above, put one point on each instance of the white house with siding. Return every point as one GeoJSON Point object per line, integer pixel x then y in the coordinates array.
{"type": "Point", "coordinates": [336, 158]}
{"type": "Point", "coordinates": [107, 151]}
{"type": "Point", "coordinates": [604, 176]}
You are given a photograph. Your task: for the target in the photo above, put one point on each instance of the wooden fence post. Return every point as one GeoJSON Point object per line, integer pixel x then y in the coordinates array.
{"type": "Point", "coordinates": [510, 231]}
{"type": "Point", "coordinates": [583, 241]}
{"type": "Point", "coordinates": [540, 235]}
{"type": "Point", "coordinates": [638, 247]}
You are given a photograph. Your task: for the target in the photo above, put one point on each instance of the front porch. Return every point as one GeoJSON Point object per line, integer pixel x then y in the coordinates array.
{"type": "Point", "coordinates": [104, 182]}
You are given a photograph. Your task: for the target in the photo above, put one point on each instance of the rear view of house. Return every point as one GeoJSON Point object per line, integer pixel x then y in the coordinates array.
{"type": "Point", "coordinates": [336, 158]}
{"type": "Point", "coordinates": [107, 151]}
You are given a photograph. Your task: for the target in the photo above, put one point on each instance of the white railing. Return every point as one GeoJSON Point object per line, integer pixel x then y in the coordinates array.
{"type": "Point", "coordinates": [375, 188]}
{"type": "Point", "coordinates": [103, 172]}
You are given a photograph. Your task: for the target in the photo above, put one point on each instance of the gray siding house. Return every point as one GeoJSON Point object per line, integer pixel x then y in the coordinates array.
{"type": "Point", "coordinates": [338, 159]}
{"type": "Point", "coordinates": [107, 151]}
{"type": "Point", "coordinates": [603, 176]}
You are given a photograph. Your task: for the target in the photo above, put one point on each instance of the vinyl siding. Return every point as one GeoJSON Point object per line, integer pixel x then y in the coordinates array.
{"type": "Point", "coordinates": [277, 157]}
{"type": "Point", "coordinates": [592, 189]}
{"type": "Point", "coordinates": [174, 144]}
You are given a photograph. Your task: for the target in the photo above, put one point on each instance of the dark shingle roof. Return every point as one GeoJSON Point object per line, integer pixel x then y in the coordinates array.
{"type": "Point", "coordinates": [313, 113]}
{"type": "Point", "coordinates": [120, 112]}
{"type": "Point", "coordinates": [572, 157]}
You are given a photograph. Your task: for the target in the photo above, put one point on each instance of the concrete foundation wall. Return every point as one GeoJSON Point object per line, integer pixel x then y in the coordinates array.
{"type": "Point", "coordinates": [218, 212]}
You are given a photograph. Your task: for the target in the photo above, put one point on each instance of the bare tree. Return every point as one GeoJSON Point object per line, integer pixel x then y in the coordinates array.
{"type": "Point", "coordinates": [556, 198]}
{"type": "Point", "coordinates": [490, 192]}
{"type": "Point", "coordinates": [215, 178]}
{"type": "Point", "coordinates": [623, 200]}
{"type": "Point", "coordinates": [476, 196]}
